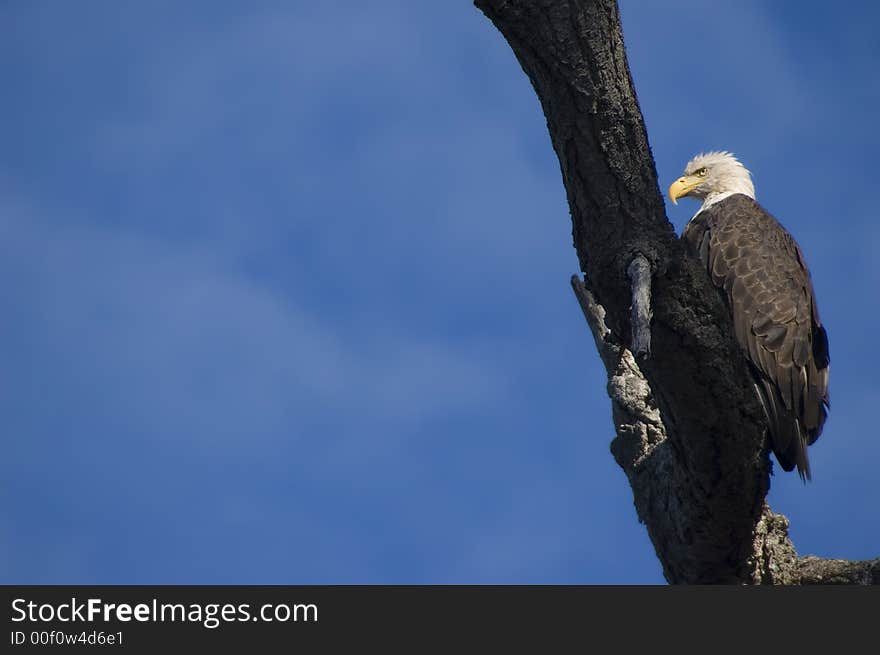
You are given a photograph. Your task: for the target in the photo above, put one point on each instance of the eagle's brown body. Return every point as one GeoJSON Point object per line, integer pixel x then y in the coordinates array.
{"type": "Point", "coordinates": [765, 281]}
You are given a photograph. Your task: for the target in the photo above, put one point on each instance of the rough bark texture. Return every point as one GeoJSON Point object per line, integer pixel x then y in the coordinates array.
{"type": "Point", "coordinates": [690, 431]}
{"type": "Point", "coordinates": [639, 272]}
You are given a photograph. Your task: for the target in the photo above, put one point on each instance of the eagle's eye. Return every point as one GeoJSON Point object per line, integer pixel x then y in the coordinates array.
{"type": "Point", "coordinates": [701, 172]}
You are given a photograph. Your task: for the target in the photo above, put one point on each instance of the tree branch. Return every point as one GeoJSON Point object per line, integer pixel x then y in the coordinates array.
{"type": "Point", "coordinates": [700, 475]}
{"type": "Point", "coordinates": [814, 570]}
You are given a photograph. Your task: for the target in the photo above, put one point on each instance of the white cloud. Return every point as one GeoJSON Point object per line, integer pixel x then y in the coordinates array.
{"type": "Point", "coordinates": [180, 341]}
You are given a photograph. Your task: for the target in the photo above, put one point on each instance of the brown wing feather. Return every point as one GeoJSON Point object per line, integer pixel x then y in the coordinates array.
{"type": "Point", "coordinates": [761, 271]}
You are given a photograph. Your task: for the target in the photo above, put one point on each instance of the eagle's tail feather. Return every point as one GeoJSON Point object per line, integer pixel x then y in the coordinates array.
{"type": "Point", "coordinates": [787, 438]}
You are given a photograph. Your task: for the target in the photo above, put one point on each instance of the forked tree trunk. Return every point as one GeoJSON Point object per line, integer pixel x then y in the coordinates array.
{"type": "Point", "coordinates": [690, 430]}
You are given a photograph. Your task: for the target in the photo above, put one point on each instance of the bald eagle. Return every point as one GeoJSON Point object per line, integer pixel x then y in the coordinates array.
{"type": "Point", "coordinates": [762, 274]}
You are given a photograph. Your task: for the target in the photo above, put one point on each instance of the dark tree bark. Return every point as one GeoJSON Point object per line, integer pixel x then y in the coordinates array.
{"type": "Point", "coordinates": [690, 430]}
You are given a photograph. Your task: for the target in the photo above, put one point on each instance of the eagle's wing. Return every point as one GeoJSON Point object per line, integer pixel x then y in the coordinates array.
{"type": "Point", "coordinates": [765, 281]}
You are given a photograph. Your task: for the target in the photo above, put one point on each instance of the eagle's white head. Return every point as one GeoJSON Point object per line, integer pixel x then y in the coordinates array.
{"type": "Point", "coordinates": [712, 176]}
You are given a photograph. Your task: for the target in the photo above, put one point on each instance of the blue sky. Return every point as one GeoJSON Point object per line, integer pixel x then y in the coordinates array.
{"type": "Point", "coordinates": [287, 292]}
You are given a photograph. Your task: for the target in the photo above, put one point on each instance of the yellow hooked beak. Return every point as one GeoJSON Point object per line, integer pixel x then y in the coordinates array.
{"type": "Point", "coordinates": [683, 186]}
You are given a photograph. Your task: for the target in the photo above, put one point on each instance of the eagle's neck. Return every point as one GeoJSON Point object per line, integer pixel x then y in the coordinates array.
{"type": "Point", "coordinates": [742, 185]}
